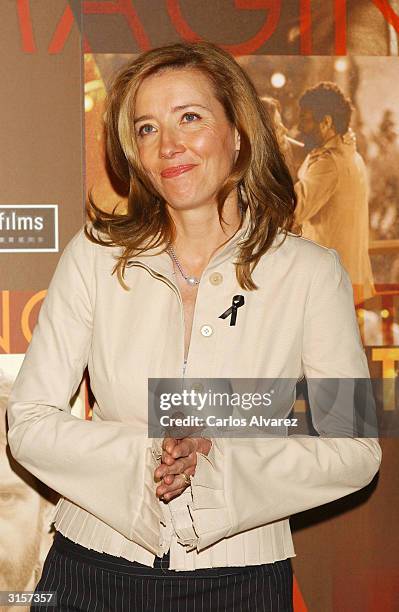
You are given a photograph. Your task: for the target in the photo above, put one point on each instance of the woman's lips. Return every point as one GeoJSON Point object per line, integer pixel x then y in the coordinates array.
{"type": "Point", "coordinates": [176, 170]}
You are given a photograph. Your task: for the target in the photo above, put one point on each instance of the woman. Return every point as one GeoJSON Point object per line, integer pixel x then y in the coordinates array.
{"type": "Point", "coordinates": [210, 206]}
{"type": "Point", "coordinates": [293, 150]}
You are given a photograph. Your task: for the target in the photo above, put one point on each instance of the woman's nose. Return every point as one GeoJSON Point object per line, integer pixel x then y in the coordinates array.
{"type": "Point", "coordinates": [170, 144]}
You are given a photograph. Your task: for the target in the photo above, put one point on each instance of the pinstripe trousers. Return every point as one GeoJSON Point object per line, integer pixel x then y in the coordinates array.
{"type": "Point", "coordinates": [89, 581]}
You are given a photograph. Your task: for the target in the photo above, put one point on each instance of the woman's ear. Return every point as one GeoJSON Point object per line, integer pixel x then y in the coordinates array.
{"type": "Point", "coordinates": [237, 139]}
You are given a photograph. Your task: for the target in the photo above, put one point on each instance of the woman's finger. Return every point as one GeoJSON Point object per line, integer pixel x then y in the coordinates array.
{"type": "Point", "coordinates": [179, 466]}
{"type": "Point", "coordinates": [169, 443]}
{"type": "Point", "coordinates": [161, 471]}
{"type": "Point", "coordinates": [165, 491]}
{"type": "Point", "coordinates": [168, 496]}
{"type": "Point", "coordinates": [167, 458]}
{"type": "Point", "coordinates": [178, 483]}
{"type": "Point", "coordinates": [169, 478]}
{"type": "Point", "coordinates": [184, 448]}
{"type": "Point", "coordinates": [184, 464]}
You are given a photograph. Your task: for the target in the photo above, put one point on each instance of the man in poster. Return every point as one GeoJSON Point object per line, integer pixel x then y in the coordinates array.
{"type": "Point", "coordinates": [332, 185]}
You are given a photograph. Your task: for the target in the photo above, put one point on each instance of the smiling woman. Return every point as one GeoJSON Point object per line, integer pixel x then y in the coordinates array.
{"type": "Point", "coordinates": [186, 130]}
{"type": "Point", "coordinates": [198, 521]}
{"type": "Point", "coordinates": [176, 141]}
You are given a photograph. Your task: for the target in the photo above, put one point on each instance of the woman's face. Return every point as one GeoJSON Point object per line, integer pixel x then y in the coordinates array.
{"type": "Point", "coordinates": [186, 144]}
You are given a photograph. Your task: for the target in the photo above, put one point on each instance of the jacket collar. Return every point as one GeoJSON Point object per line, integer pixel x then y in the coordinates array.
{"type": "Point", "coordinates": [346, 141]}
{"type": "Point", "coordinates": [161, 263]}
{"type": "Point", "coordinates": [333, 142]}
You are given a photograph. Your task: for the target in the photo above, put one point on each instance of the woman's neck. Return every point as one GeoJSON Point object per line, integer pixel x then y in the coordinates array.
{"type": "Point", "coordinates": [199, 233]}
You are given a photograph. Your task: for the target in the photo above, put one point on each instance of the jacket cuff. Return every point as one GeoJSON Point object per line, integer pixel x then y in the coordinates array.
{"type": "Point", "coordinates": [182, 520]}
{"type": "Point", "coordinates": [199, 515]}
{"type": "Point", "coordinates": [156, 451]}
{"type": "Point", "coordinates": [209, 510]}
{"type": "Point", "coordinates": [149, 529]}
{"type": "Point", "coordinates": [177, 509]}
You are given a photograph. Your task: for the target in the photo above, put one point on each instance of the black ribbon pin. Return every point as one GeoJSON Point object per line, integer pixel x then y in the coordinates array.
{"type": "Point", "coordinates": [238, 300]}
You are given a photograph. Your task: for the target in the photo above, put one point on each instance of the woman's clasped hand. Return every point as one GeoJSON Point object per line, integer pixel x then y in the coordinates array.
{"type": "Point", "coordinates": [179, 458]}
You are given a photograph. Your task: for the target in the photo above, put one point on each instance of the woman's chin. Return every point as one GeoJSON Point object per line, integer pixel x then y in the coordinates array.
{"type": "Point", "coordinates": [186, 202]}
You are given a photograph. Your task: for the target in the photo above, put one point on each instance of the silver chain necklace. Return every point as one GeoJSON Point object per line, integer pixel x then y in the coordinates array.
{"type": "Point", "coordinates": [190, 280]}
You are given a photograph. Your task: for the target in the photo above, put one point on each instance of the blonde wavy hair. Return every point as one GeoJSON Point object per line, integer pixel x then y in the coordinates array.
{"type": "Point", "coordinates": [259, 175]}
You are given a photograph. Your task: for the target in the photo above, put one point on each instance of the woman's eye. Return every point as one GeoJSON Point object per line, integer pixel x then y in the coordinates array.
{"type": "Point", "coordinates": [145, 129]}
{"type": "Point", "coordinates": [190, 117]}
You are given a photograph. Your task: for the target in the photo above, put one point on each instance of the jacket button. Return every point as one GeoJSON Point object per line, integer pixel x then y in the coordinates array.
{"type": "Point", "coordinates": [216, 278]}
{"type": "Point", "coordinates": [206, 330]}
{"type": "Point", "coordinates": [197, 387]}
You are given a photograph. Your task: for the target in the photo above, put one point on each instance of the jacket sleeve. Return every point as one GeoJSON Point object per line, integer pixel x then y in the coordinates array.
{"type": "Point", "coordinates": [245, 483]}
{"type": "Point", "coordinates": [316, 185]}
{"type": "Point", "coordinates": [105, 467]}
